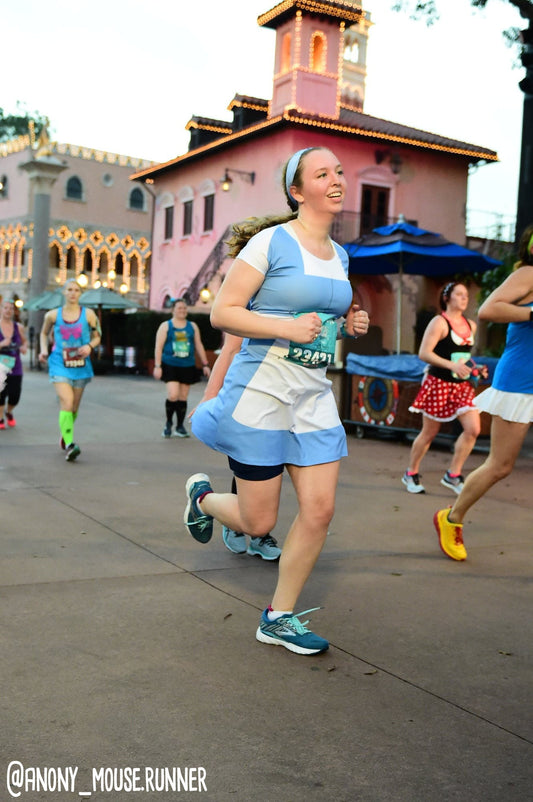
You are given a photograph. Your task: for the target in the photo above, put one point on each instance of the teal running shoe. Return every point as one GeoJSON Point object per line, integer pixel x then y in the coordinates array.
{"type": "Point", "coordinates": [265, 547]}
{"type": "Point", "coordinates": [199, 525]}
{"type": "Point", "coordinates": [289, 631]}
{"type": "Point", "coordinates": [234, 541]}
{"type": "Point", "coordinates": [73, 451]}
{"type": "Point", "coordinates": [181, 431]}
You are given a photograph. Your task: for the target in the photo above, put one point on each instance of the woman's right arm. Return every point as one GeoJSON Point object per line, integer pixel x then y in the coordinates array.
{"type": "Point", "coordinates": [160, 338]}
{"type": "Point", "coordinates": [230, 314]}
{"type": "Point", "coordinates": [48, 322]}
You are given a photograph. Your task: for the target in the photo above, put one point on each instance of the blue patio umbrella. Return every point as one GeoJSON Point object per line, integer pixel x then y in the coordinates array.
{"type": "Point", "coordinates": [402, 248]}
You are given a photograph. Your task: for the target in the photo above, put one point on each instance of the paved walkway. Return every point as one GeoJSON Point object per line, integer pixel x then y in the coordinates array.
{"type": "Point", "coordinates": [127, 644]}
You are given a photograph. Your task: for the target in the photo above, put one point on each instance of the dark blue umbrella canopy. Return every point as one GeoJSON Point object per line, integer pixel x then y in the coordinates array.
{"type": "Point", "coordinates": [402, 248]}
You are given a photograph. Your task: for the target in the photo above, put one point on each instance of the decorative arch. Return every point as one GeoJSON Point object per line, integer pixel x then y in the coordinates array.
{"type": "Point", "coordinates": [318, 50]}
{"type": "Point", "coordinates": [185, 194]}
{"type": "Point", "coordinates": [207, 187]}
{"type": "Point", "coordinates": [166, 199]}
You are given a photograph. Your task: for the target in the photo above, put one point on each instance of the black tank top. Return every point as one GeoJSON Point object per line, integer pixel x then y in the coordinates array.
{"type": "Point", "coordinates": [453, 343]}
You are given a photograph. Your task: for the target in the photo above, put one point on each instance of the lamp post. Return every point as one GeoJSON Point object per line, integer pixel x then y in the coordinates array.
{"type": "Point", "coordinates": [227, 181]}
{"type": "Point", "coordinates": [43, 172]}
{"type": "Point", "coordinates": [524, 212]}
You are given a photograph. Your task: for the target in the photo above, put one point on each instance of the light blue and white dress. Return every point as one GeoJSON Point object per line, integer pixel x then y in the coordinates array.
{"type": "Point", "coordinates": [271, 410]}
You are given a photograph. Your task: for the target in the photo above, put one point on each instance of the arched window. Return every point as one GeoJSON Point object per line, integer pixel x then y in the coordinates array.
{"type": "Point", "coordinates": [134, 270]}
{"type": "Point", "coordinates": [74, 188]}
{"type": "Point", "coordinates": [54, 257]}
{"type": "Point", "coordinates": [286, 52]}
{"type": "Point", "coordinates": [87, 263]}
{"type": "Point", "coordinates": [103, 266]}
{"type": "Point", "coordinates": [137, 199]}
{"type": "Point", "coordinates": [71, 259]}
{"type": "Point", "coordinates": [3, 186]}
{"type": "Point", "coordinates": [317, 53]}
{"type": "Point", "coordinates": [119, 265]}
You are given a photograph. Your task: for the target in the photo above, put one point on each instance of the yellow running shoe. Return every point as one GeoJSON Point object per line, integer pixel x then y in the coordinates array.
{"type": "Point", "coordinates": [450, 535]}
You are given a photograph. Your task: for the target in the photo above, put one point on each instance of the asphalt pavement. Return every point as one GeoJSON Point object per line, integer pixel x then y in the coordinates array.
{"type": "Point", "coordinates": [129, 666]}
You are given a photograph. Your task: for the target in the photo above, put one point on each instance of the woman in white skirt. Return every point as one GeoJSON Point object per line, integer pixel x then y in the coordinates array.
{"type": "Point", "coordinates": [509, 399]}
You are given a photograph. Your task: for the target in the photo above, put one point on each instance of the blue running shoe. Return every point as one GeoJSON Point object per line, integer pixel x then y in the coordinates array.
{"type": "Point", "coordinates": [167, 431]}
{"type": "Point", "coordinates": [234, 541]}
{"type": "Point", "coordinates": [199, 525]}
{"type": "Point", "coordinates": [181, 431]}
{"type": "Point", "coordinates": [265, 547]}
{"type": "Point", "coordinates": [288, 631]}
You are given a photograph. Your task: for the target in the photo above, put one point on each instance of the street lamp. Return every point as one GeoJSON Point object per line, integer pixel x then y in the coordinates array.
{"type": "Point", "coordinates": [227, 181]}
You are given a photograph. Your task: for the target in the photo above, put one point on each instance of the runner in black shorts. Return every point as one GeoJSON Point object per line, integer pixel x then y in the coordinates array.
{"type": "Point", "coordinates": [176, 344]}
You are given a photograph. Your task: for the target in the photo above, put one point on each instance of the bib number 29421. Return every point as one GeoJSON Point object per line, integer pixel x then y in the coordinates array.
{"type": "Point", "coordinates": [319, 353]}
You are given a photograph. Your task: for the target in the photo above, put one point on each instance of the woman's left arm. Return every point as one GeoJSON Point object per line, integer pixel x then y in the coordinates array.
{"type": "Point", "coordinates": [94, 342]}
{"type": "Point", "coordinates": [23, 338]}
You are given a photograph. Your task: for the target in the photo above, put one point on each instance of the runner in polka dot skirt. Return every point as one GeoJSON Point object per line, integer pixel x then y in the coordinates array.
{"type": "Point", "coordinates": [447, 391]}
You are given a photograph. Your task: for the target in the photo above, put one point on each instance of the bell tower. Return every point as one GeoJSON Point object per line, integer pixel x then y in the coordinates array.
{"type": "Point", "coordinates": [309, 54]}
{"type": "Point", "coordinates": [354, 63]}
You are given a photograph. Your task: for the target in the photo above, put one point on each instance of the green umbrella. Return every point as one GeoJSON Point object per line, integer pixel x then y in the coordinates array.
{"type": "Point", "coordinates": [104, 298]}
{"type": "Point", "coordinates": [50, 299]}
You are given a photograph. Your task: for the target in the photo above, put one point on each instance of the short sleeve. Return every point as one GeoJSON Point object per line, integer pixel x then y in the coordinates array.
{"type": "Point", "coordinates": [255, 252]}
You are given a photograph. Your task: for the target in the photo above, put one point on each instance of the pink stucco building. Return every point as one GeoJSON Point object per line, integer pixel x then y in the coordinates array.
{"type": "Point", "coordinates": [317, 100]}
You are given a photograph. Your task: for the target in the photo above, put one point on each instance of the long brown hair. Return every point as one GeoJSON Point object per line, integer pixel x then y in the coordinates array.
{"type": "Point", "coordinates": [525, 248]}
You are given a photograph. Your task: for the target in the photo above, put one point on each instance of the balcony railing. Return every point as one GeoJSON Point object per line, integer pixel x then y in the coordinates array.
{"type": "Point", "coordinates": [348, 226]}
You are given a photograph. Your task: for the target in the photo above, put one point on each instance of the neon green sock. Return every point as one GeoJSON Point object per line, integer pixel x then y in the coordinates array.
{"type": "Point", "coordinates": [66, 426]}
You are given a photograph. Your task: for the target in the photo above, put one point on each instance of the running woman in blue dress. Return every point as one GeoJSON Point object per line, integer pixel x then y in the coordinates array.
{"type": "Point", "coordinates": [509, 399]}
{"type": "Point", "coordinates": [285, 295]}
{"type": "Point", "coordinates": [76, 333]}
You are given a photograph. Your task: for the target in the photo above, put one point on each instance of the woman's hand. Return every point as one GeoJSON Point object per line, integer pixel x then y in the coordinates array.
{"type": "Point", "coordinates": [85, 350]}
{"type": "Point", "coordinates": [357, 321]}
{"type": "Point", "coordinates": [43, 358]}
{"type": "Point", "coordinates": [158, 372]}
{"type": "Point", "coordinates": [461, 369]}
{"type": "Point", "coordinates": [305, 328]}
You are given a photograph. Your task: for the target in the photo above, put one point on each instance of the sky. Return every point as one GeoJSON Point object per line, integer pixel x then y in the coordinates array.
{"type": "Point", "coordinates": [127, 75]}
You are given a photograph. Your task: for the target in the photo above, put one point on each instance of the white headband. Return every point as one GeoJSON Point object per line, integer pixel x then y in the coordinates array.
{"type": "Point", "coordinates": [290, 172]}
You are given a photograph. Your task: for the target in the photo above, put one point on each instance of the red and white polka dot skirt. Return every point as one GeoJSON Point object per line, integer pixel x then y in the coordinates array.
{"type": "Point", "coordinates": [443, 401]}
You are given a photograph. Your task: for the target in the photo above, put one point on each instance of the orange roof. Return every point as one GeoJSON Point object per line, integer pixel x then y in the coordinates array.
{"type": "Point", "coordinates": [350, 123]}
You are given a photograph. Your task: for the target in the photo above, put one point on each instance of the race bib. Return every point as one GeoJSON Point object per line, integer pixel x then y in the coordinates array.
{"type": "Point", "coordinates": [180, 345]}
{"type": "Point", "coordinates": [7, 361]}
{"type": "Point", "coordinates": [321, 352]}
{"type": "Point", "coordinates": [459, 356]}
{"type": "Point", "coordinates": [71, 358]}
